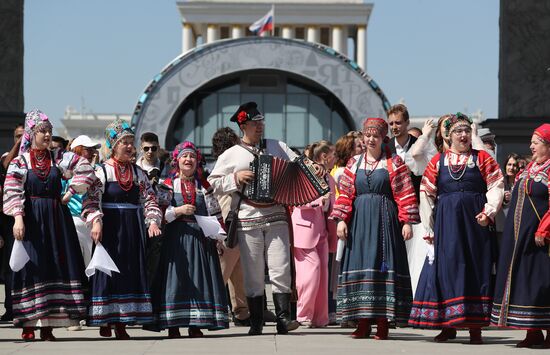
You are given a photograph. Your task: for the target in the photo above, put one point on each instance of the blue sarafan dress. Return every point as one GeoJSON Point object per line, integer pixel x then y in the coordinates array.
{"type": "Point", "coordinates": [456, 290]}
{"type": "Point", "coordinates": [123, 297]}
{"type": "Point", "coordinates": [374, 280]}
{"type": "Point", "coordinates": [50, 289]}
{"type": "Point", "coordinates": [188, 289]}
{"type": "Point", "coordinates": [522, 290]}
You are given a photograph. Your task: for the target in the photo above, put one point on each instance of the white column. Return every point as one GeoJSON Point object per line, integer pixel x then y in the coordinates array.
{"type": "Point", "coordinates": [338, 39]}
{"type": "Point", "coordinates": [287, 32]}
{"type": "Point", "coordinates": [237, 31]}
{"type": "Point", "coordinates": [361, 47]}
{"type": "Point", "coordinates": [212, 33]}
{"type": "Point", "coordinates": [188, 39]}
{"type": "Point", "coordinates": [313, 34]}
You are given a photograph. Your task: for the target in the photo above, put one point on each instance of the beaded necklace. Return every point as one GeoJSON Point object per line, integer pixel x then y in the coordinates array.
{"type": "Point", "coordinates": [458, 168]}
{"type": "Point", "coordinates": [124, 174]}
{"type": "Point", "coordinates": [188, 190]}
{"type": "Point", "coordinates": [41, 163]}
{"type": "Point", "coordinates": [532, 175]}
{"type": "Point", "coordinates": [373, 165]}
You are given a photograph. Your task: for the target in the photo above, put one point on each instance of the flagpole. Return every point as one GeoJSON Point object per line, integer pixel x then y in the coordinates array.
{"type": "Point", "coordinates": [273, 20]}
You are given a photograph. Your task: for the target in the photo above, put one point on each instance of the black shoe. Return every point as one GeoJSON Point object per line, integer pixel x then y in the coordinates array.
{"type": "Point", "coordinates": [6, 317]}
{"type": "Point", "coordinates": [256, 309]}
{"type": "Point", "coordinates": [282, 311]}
{"type": "Point", "coordinates": [241, 322]}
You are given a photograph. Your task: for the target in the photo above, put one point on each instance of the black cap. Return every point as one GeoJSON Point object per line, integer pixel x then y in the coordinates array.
{"type": "Point", "coordinates": [249, 113]}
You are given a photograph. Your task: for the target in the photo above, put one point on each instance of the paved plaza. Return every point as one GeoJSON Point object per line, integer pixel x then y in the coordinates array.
{"type": "Point", "coordinates": [330, 340]}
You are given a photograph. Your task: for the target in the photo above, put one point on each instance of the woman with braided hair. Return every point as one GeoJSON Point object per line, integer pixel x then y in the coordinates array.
{"type": "Point", "coordinates": [375, 210]}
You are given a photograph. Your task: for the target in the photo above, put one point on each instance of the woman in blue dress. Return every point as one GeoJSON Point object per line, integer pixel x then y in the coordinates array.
{"type": "Point", "coordinates": [378, 203]}
{"type": "Point", "coordinates": [522, 290]}
{"type": "Point", "coordinates": [119, 207]}
{"type": "Point", "coordinates": [188, 289]}
{"type": "Point", "coordinates": [460, 194]}
{"type": "Point", "coordinates": [50, 289]}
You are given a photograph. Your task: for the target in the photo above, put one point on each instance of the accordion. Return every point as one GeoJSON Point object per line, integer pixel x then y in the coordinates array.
{"type": "Point", "coordinates": [290, 183]}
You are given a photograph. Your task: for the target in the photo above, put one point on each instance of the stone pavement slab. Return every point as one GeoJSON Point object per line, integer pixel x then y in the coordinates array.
{"type": "Point", "coordinates": [330, 340]}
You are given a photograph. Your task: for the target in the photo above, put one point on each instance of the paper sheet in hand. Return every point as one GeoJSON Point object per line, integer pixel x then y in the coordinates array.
{"type": "Point", "coordinates": [19, 256]}
{"type": "Point", "coordinates": [211, 227]}
{"type": "Point", "coordinates": [101, 261]}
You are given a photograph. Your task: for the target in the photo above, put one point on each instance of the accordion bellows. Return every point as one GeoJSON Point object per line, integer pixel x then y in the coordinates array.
{"type": "Point", "coordinates": [290, 183]}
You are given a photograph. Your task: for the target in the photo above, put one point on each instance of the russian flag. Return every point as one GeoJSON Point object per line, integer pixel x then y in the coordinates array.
{"type": "Point", "coordinates": [264, 24]}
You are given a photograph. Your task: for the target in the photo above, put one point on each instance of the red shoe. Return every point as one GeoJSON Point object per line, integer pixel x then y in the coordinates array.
{"type": "Point", "coordinates": [105, 331]}
{"type": "Point", "coordinates": [195, 332]}
{"type": "Point", "coordinates": [446, 334]}
{"type": "Point", "coordinates": [382, 329]}
{"type": "Point", "coordinates": [174, 333]}
{"type": "Point", "coordinates": [27, 334]}
{"type": "Point", "coordinates": [363, 329]}
{"type": "Point", "coordinates": [533, 337]}
{"type": "Point", "coordinates": [120, 332]}
{"type": "Point", "coordinates": [475, 336]}
{"type": "Point", "coordinates": [46, 334]}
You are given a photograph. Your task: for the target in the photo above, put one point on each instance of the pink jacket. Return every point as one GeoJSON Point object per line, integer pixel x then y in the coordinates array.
{"type": "Point", "coordinates": [310, 222]}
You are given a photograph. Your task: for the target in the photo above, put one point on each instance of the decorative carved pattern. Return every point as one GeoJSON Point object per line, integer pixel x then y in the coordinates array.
{"type": "Point", "coordinates": [340, 76]}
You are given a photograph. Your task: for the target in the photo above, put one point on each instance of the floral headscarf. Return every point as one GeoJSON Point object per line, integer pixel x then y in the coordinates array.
{"type": "Point", "coordinates": [183, 148]}
{"type": "Point", "coordinates": [115, 131]}
{"type": "Point", "coordinates": [455, 121]}
{"type": "Point", "coordinates": [199, 172]}
{"type": "Point", "coordinates": [376, 125]}
{"type": "Point", "coordinates": [34, 121]}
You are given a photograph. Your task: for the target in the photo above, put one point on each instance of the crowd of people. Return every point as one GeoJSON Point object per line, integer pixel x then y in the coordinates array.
{"type": "Point", "coordinates": [422, 229]}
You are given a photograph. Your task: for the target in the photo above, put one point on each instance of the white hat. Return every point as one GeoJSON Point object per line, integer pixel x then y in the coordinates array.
{"type": "Point", "coordinates": [84, 141]}
{"type": "Point", "coordinates": [485, 134]}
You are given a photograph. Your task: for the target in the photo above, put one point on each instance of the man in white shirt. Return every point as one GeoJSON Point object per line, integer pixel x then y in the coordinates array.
{"type": "Point", "coordinates": [263, 230]}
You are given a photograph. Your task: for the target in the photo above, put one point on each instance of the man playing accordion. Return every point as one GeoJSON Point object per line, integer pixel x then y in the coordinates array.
{"type": "Point", "coordinates": [262, 229]}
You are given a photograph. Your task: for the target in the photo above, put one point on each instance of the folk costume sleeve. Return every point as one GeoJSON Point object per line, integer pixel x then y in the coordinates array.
{"type": "Point", "coordinates": [14, 191]}
{"type": "Point", "coordinates": [78, 170]}
{"type": "Point", "coordinates": [403, 191]}
{"type": "Point", "coordinates": [344, 203]}
{"type": "Point", "coordinates": [223, 178]}
{"type": "Point", "coordinates": [91, 204]}
{"type": "Point", "coordinates": [428, 194]}
{"type": "Point", "coordinates": [495, 183]}
{"type": "Point", "coordinates": [544, 226]}
{"type": "Point", "coordinates": [170, 214]}
{"type": "Point", "coordinates": [419, 155]}
{"type": "Point", "coordinates": [148, 199]}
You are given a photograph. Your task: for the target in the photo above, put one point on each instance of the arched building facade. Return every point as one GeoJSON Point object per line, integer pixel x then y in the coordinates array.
{"type": "Point", "coordinates": [307, 92]}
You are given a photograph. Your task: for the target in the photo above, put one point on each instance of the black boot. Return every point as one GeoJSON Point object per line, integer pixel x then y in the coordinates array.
{"type": "Point", "coordinates": [282, 311]}
{"type": "Point", "coordinates": [256, 309]}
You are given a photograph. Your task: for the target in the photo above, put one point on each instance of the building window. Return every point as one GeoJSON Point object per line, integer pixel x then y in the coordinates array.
{"type": "Point", "coordinates": [297, 112]}
{"type": "Point", "coordinates": [277, 31]}
{"type": "Point", "coordinates": [225, 32]}
{"type": "Point", "coordinates": [325, 36]}
{"type": "Point", "coordinates": [300, 33]}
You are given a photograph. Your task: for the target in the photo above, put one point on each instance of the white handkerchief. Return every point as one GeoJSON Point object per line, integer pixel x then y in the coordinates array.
{"type": "Point", "coordinates": [431, 253]}
{"type": "Point", "coordinates": [340, 249]}
{"type": "Point", "coordinates": [211, 227]}
{"type": "Point", "coordinates": [101, 261]}
{"type": "Point", "coordinates": [19, 256]}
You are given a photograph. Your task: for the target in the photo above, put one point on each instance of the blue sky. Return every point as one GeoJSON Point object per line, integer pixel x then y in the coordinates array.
{"type": "Point", "coordinates": [438, 55]}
